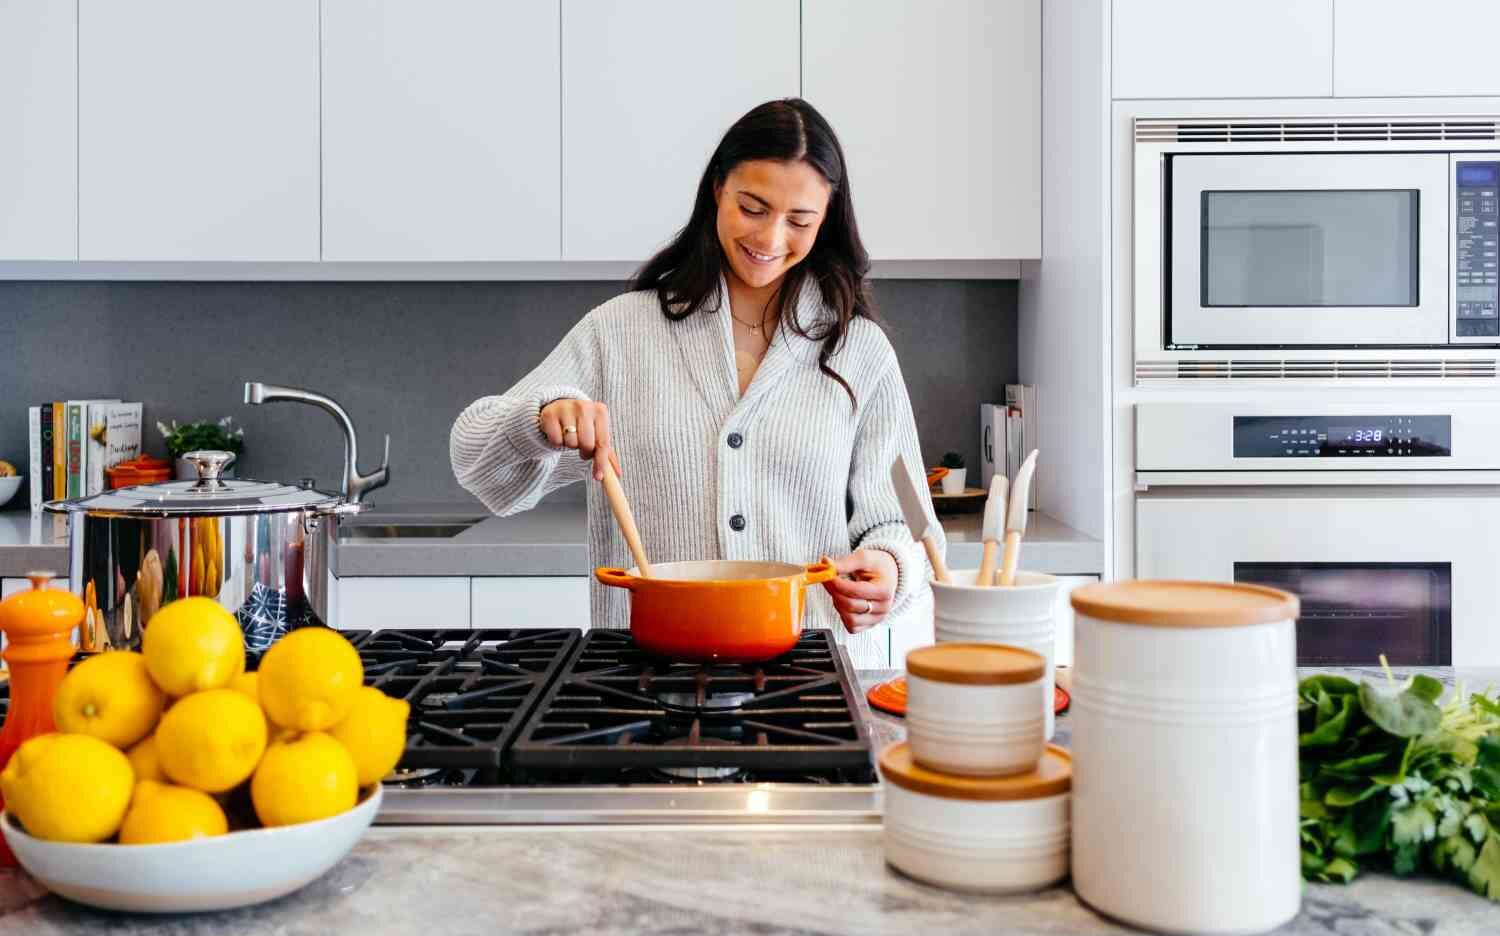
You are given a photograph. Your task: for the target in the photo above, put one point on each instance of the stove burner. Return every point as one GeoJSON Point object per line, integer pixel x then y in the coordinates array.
{"type": "Point", "coordinates": [697, 703]}
{"type": "Point", "coordinates": [414, 777]}
{"type": "Point", "coordinates": [710, 774]}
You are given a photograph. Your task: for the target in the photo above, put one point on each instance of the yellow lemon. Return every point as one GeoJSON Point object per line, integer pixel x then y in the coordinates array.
{"type": "Point", "coordinates": [144, 760]}
{"type": "Point", "coordinates": [374, 731]}
{"type": "Point", "coordinates": [109, 696]}
{"type": "Point", "coordinates": [308, 679]}
{"type": "Point", "coordinates": [310, 777]}
{"type": "Point", "coordinates": [247, 684]}
{"type": "Point", "coordinates": [68, 787]}
{"type": "Point", "coordinates": [193, 644]}
{"type": "Point", "coordinates": [211, 740]}
{"type": "Point", "coordinates": [161, 812]}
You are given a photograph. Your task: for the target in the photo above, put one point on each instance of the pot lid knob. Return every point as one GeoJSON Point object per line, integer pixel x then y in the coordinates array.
{"type": "Point", "coordinates": [210, 465]}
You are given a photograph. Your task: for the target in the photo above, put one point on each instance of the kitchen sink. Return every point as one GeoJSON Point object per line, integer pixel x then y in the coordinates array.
{"type": "Point", "coordinates": [399, 530]}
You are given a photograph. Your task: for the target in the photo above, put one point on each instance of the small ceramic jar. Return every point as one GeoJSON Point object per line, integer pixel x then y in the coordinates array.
{"type": "Point", "coordinates": [975, 709]}
{"type": "Point", "coordinates": [992, 835]}
{"type": "Point", "coordinates": [1184, 731]}
{"type": "Point", "coordinates": [1022, 615]}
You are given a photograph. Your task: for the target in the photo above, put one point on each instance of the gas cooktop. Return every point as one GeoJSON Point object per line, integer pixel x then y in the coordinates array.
{"type": "Point", "coordinates": [527, 726]}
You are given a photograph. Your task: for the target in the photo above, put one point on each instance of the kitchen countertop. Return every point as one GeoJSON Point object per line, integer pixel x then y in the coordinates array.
{"type": "Point", "coordinates": [32, 543]}
{"type": "Point", "coordinates": [552, 539]}
{"type": "Point", "coordinates": [679, 879]}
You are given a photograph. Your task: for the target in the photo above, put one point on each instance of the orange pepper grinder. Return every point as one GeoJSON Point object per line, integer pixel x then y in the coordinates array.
{"type": "Point", "coordinates": [38, 626]}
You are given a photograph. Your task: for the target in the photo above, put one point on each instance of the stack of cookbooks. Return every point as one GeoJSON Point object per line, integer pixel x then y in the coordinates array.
{"type": "Point", "coordinates": [73, 441]}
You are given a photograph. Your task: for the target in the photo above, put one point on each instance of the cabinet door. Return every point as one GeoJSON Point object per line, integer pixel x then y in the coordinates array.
{"type": "Point", "coordinates": [371, 603]}
{"type": "Point", "coordinates": [648, 89]}
{"type": "Point", "coordinates": [39, 114]}
{"type": "Point", "coordinates": [938, 108]}
{"type": "Point", "coordinates": [198, 130]}
{"type": "Point", "coordinates": [1399, 48]}
{"type": "Point", "coordinates": [440, 130]}
{"type": "Point", "coordinates": [531, 601]}
{"type": "Point", "coordinates": [1064, 617]}
{"type": "Point", "coordinates": [1219, 48]}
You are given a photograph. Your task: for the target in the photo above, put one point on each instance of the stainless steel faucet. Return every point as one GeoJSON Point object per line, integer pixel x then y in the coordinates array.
{"type": "Point", "coordinates": [355, 485]}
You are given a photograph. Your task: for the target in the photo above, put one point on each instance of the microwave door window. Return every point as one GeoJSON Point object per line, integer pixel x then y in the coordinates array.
{"type": "Point", "coordinates": [1309, 249]}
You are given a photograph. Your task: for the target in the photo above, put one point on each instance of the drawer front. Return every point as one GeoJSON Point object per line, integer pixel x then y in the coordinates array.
{"type": "Point", "coordinates": [531, 601]}
{"type": "Point", "coordinates": [369, 603]}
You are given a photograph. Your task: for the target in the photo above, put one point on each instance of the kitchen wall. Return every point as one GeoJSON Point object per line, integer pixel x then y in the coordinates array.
{"type": "Point", "coordinates": [404, 358]}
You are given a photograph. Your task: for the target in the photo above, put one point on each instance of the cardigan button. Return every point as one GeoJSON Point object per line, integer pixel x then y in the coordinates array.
{"type": "Point", "coordinates": [735, 440]}
{"type": "Point", "coordinates": [737, 523]}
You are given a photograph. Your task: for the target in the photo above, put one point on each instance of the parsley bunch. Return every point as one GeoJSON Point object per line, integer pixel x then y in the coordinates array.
{"type": "Point", "coordinates": [1392, 780]}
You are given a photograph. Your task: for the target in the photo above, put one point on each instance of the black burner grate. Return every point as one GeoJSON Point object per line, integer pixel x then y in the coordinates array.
{"type": "Point", "coordinates": [469, 691]}
{"type": "Point", "coordinates": [615, 706]}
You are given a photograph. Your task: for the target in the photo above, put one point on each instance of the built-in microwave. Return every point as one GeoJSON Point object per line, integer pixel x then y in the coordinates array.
{"type": "Point", "coordinates": [1288, 246]}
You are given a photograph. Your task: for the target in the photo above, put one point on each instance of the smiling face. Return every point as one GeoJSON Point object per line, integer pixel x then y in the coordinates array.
{"type": "Point", "coordinates": [769, 215]}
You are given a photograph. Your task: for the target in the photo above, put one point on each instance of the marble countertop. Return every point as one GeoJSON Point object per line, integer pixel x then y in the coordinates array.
{"type": "Point", "coordinates": [695, 879]}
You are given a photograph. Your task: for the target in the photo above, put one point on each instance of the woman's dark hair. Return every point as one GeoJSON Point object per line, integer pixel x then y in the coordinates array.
{"type": "Point", "coordinates": [685, 273]}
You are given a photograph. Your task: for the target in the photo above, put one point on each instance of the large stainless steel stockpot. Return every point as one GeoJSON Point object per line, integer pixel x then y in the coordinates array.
{"type": "Point", "coordinates": [258, 548]}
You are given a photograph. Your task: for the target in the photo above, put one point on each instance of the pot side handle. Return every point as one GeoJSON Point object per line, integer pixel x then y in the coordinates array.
{"type": "Point", "coordinates": [618, 578]}
{"type": "Point", "coordinates": [819, 572]}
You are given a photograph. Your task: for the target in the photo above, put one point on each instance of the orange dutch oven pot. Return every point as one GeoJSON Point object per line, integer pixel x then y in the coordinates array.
{"type": "Point", "coordinates": [718, 610]}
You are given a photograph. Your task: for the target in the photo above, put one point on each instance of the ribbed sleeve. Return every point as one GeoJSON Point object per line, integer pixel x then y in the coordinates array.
{"type": "Point", "coordinates": [788, 472]}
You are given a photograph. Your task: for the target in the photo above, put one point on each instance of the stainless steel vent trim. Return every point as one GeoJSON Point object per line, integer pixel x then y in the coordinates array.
{"type": "Point", "coordinates": [1333, 369]}
{"type": "Point", "coordinates": [1320, 128]}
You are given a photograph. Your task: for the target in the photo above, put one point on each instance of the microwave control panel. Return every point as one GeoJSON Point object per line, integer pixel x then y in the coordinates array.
{"type": "Point", "coordinates": [1476, 248]}
{"type": "Point", "coordinates": [1343, 436]}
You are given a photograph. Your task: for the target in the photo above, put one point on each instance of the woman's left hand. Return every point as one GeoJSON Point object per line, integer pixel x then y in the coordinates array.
{"type": "Point", "coordinates": [864, 587]}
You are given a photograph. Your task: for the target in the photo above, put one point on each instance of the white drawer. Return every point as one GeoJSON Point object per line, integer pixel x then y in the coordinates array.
{"type": "Point", "coordinates": [371, 603]}
{"type": "Point", "coordinates": [531, 601]}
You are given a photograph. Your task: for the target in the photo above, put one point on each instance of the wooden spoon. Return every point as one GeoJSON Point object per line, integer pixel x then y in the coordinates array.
{"type": "Point", "coordinates": [620, 507]}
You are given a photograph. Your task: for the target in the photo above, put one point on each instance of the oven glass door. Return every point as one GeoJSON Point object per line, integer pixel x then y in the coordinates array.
{"type": "Point", "coordinates": [1309, 250]}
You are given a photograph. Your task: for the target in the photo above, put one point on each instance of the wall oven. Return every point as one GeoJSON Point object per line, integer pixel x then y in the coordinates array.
{"type": "Point", "coordinates": [1384, 519]}
{"type": "Point", "coordinates": [1329, 247]}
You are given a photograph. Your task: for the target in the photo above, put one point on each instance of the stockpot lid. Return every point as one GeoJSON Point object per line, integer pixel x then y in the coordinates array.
{"type": "Point", "coordinates": [210, 494]}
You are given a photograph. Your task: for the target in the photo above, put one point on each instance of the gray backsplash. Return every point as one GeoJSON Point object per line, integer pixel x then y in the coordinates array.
{"type": "Point", "coordinates": [404, 359]}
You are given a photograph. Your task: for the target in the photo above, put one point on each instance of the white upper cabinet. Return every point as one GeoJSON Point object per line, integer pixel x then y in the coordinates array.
{"type": "Point", "coordinates": [198, 130]}
{"type": "Point", "coordinates": [38, 126]}
{"type": "Point", "coordinates": [1225, 48]}
{"type": "Point", "coordinates": [938, 108]}
{"type": "Point", "coordinates": [648, 89]}
{"type": "Point", "coordinates": [440, 130]}
{"type": "Point", "coordinates": [1400, 47]}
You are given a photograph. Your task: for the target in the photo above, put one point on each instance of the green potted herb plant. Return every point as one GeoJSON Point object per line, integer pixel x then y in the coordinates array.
{"type": "Point", "coordinates": [199, 436]}
{"type": "Point", "coordinates": [953, 482]}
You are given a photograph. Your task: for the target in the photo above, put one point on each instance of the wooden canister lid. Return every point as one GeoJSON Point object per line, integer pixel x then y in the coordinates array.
{"type": "Point", "coordinates": [1185, 604]}
{"type": "Point", "coordinates": [1053, 775]}
{"type": "Point", "coordinates": [975, 664]}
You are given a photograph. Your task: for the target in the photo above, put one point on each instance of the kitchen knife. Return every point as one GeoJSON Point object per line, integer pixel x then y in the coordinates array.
{"type": "Point", "coordinates": [994, 524]}
{"type": "Point", "coordinates": [1015, 520]}
{"type": "Point", "coordinates": [914, 508]}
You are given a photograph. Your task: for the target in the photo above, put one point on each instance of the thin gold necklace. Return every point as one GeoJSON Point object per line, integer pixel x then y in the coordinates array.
{"type": "Point", "coordinates": [754, 329]}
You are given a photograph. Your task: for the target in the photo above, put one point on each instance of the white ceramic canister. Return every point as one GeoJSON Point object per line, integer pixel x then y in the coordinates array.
{"type": "Point", "coordinates": [1184, 738]}
{"type": "Point", "coordinates": [1022, 615]}
{"type": "Point", "coordinates": [975, 709]}
{"type": "Point", "coordinates": [992, 835]}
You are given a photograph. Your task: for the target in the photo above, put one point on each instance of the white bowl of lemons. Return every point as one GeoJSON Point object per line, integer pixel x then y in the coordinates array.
{"type": "Point", "coordinates": [177, 782]}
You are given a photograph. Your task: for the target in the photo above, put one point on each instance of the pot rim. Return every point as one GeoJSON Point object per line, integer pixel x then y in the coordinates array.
{"type": "Point", "coordinates": [337, 508]}
{"type": "Point", "coordinates": [810, 574]}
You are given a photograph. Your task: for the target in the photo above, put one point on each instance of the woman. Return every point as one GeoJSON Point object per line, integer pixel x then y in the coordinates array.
{"type": "Point", "coordinates": [743, 391]}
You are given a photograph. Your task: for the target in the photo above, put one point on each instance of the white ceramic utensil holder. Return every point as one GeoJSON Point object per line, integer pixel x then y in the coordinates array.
{"type": "Point", "coordinates": [1022, 615]}
{"type": "Point", "coordinates": [1185, 735]}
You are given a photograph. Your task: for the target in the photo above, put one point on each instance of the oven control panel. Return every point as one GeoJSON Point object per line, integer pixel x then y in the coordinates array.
{"type": "Point", "coordinates": [1476, 248]}
{"type": "Point", "coordinates": [1343, 436]}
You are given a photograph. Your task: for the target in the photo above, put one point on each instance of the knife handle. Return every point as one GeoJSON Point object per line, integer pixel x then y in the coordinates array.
{"type": "Point", "coordinates": [986, 575]}
{"type": "Point", "coordinates": [939, 568]}
{"type": "Point", "coordinates": [1012, 557]}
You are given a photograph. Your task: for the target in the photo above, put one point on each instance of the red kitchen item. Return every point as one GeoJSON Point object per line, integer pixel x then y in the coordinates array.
{"type": "Point", "coordinates": [143, 469]}
{"type": "Point", "coordinates": [890, 697]}
{"type": "Point", "coordinates": [38, 625]}
{"type": "Point", "coordinates": [718, 610]}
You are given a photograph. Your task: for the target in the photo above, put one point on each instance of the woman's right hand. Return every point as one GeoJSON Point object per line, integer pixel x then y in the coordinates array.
{"type": "Point", "coordinates": [581, 425]}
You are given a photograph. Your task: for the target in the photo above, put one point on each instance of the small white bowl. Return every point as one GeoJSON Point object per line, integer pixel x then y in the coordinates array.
{"type": "Point", "coordinates": [9, 486]}
{"type": "Point", "coordinates": [215, 873]}
{"type": "Point", "coordinates": [975, 709]}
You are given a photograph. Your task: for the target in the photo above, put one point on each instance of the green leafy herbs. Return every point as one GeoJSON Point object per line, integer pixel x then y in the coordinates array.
{"type": "Point", "coordinates": [1391, 779]}
{"type": "Point", "coordinates": [218, 436]}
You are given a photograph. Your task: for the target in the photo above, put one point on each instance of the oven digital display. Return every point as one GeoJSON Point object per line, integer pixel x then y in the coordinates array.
{"type": "Point", "coordinates": [1343, 437]}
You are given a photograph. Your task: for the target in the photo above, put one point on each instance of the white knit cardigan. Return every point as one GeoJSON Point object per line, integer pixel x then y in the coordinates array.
{"type": "Point", "coordinates": [810, 475]}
